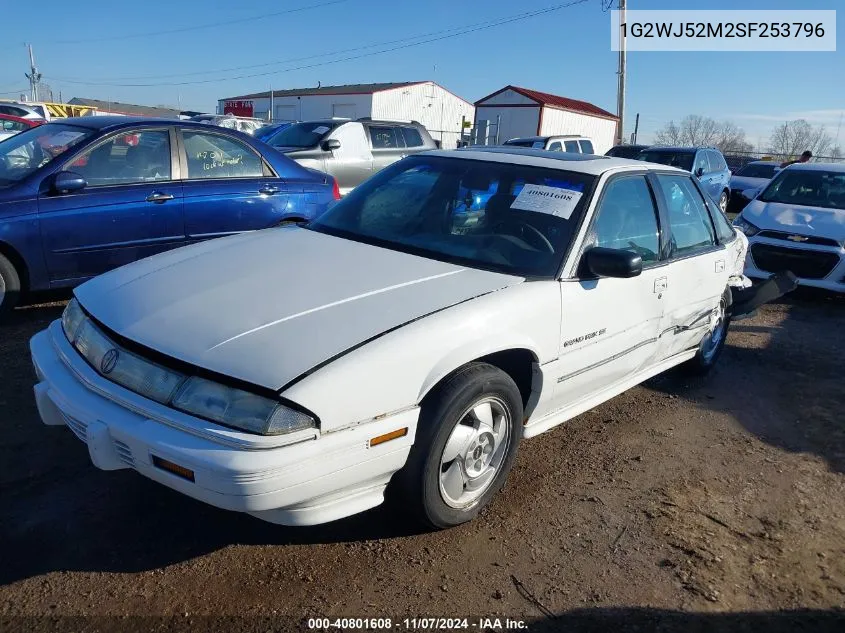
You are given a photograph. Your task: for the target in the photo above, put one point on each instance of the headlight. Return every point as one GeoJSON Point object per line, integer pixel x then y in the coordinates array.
{"type": "Point", "coordinates": [239, 409]}
{"type": "Point", "coordinates": [72, 318]}
{"type": "Point", "coordinates": [125, 368]}
{"type": "Point", "coordinates": [745, 226]}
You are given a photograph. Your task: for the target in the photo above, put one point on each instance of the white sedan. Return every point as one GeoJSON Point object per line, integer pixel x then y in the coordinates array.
{"type": "Point", "coordinates": [404, 343]}
{"type": "Point", "coordinates": [797, 223]}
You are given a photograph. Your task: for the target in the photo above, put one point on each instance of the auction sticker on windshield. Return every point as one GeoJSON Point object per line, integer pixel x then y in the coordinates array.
{"type": "Point", "coordinates": [552, 200]}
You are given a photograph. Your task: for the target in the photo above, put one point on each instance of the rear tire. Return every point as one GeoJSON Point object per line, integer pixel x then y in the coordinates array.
{"type": "Point", "coordinates": [467, 438]}
{"type": "Point", "coordinates": [10, 286]}
{"type": "Point", "coordinates": [713, 343]}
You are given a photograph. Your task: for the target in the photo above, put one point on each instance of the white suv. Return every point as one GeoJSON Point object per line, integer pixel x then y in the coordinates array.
{"type": "Point", "coordinates": [411, 348]}
{"type": "Point", "coordinates": [571, 143]}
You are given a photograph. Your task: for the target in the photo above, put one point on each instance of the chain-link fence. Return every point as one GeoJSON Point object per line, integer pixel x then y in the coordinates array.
{"type": "Point", "coordinates": [738, 160]}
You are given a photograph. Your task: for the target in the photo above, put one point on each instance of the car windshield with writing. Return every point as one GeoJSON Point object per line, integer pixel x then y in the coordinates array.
{"type": "Point", "coordinates": [808, 188]}
{"type": "Point", "coordinates": [757, 170]}
{"type": "Point", "coordinates": [23, 153]}
{"type": "Point", "coordinates": [681, 160]}
{"type": "Point", "coordinates": [514, 219]}
{"type": "Point", "coordinates": [302, 134]}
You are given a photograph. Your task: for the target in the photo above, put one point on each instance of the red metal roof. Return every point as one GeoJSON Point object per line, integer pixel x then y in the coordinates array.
{"type": "Point", "coordinates": [554, 100]}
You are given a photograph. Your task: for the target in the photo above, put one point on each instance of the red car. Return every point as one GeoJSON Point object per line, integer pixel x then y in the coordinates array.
{"type": "Point", "coordinates": [11, 125]}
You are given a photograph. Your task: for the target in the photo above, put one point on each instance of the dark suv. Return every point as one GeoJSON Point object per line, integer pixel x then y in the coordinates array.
{"type": "Point", "coordinates": [705, 163]}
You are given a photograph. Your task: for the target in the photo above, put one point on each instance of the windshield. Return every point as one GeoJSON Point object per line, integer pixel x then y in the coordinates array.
{"type": "Point", "coordinates": [758, 171]}
{"type": "Point", "coordinates": [22, 154]}
{"type": "Point", "coordinates": [518, 142]}
{"type": "Point", "coordinates": [514, 219]}
{"type": "Point", "coordinates": [302, 134]}
{"type": "Point", "coordinates": [807, 188]}
{"type": "Point", "coordinates": [682, 160]}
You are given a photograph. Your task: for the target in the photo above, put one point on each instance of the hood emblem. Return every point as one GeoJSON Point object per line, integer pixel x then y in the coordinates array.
{"type": "Point", "coordinates": [109, 361]}
{"type": "Point", "coordinates": [797, 238]}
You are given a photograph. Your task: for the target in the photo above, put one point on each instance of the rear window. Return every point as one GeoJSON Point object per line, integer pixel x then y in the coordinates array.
{"type": "Point", "coordinates": [757, 171]}
{"type": "Point", "coordinates": [412, 137]}
{"type": "Point", "coordinates": [682, 160]}
{"type": "Point", "coordinates": [526, 142]}
{"type": "Point", "coordinates": [624, 151]}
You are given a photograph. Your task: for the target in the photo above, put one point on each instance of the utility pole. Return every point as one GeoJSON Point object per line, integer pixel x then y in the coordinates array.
{"type": "Point", "coordinates": [620, 93]}
{"type": "Point", "coordinates": [636, 129]}
{"type": "Point", "coordinates": [34, 76]}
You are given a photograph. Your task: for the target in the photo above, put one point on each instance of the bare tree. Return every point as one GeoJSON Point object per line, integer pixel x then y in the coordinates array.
{"type": "Point", "coordinates": [697, 130]}
{"type": "Point", "coordinates": [794, 137]}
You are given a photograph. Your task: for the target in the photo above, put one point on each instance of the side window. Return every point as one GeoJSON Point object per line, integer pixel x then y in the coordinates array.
{"type": "Point", "coordinates": [717, 161]}
{"type": "Point", "coordinates": [626, 218]}
{"type": "Point", "coordinates": [701, 162]}
{"type": "Point", "coordinates": [689, 221]}
{"type": "Point", "coordinates": [571, 146]}
{"type": "Point", "coordinates": [724, 230]}
{"type": "Point", "coordinates": [384, 137]}
{"type": "Point", "coordinates": [127, 158]}
{"type": "Point", "coordinates": [586, 146]}
{"type": "Point", "coordinates": [14, 126]}
{"type": "Point", "coordinates": [556, 147]}
{"type": "Point", "coordinates": [412, 137]}
{"type": "Point", "coordinates": [218, 156]}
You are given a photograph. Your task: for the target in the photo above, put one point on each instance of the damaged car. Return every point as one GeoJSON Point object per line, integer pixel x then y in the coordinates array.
{"type": "Point", "coordinates": [391, 348]}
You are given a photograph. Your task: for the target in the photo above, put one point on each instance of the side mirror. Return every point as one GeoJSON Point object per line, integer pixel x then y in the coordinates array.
{"type": "Point", "coordinates": [699, 172]}
{"type": "Point", "coordinates": [68, 182]}
{"type": "Point", "coordinates": [330, 145]}
{"type": "Point", "coordinates": [612, 262]}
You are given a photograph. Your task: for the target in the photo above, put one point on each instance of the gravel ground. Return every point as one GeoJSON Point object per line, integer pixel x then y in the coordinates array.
{"type": "Point", "coordinates": [714, 504]}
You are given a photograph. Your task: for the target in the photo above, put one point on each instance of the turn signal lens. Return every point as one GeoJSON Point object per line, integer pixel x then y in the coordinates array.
{"type": "Point", "coordinates": [393, 435]}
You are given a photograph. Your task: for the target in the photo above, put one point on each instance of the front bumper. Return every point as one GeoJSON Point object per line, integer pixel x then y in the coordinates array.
{"type": "Point", "coordinates": [310, 482]}
{"type": "Point", "coordinates": [814, 265]}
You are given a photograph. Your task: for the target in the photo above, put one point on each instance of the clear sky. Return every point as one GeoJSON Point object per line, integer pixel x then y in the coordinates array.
{"type": "Point", "coordinates": [102, 43]}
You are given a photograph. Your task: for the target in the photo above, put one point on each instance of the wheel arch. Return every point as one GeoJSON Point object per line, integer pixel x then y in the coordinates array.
{"type": "Point", "coordinates": [17, 260]}
{"type": "Point", "coordinates": [518, 362]}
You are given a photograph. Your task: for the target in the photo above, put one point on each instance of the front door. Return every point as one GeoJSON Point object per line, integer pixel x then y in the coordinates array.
{"type": "Point", "coordinates": [130, 208]}
{"type": "Point", "coordinates": [227, 187]}
{"type": "Point", "coordinates": [352, 162]}
{"type": "Point", "coordinates": [699, 270]}
{"type": "Point", "coordinates": [387, 143]}
{"type": "Point", "coordinates": [610, 327]}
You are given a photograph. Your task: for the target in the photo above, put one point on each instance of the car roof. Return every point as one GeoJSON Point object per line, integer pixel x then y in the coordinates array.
{"type": "Point", "coordinates": [653, 148]}
{"type": "Point", "coordinates": [117, 122]}
{"type": "Point", "coordinates": [570, 161]}
{"type": "Point", "coordinates": [524, 139]}
{"type": "Point", "coordinates": [762, 162]}
{"type": "Point", "coordinates": [837, 167]}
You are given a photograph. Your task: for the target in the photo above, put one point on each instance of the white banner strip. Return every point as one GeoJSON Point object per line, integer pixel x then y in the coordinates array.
{"type": "Point", "coordinates": [799, 31]}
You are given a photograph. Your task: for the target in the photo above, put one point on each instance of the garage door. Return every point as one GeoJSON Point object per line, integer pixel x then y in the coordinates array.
{"type": "Point", "coordinates": [346, 110]}
{"type": "Point", "coordinates": [285, 113]}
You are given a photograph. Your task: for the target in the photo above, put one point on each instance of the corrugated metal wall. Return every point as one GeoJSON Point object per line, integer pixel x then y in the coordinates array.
{"type": "Point", "coordinates": [602, 132]}
{"type": "Point", "coordinates": [514, 122]}
{"type": "Point", "coordinates": [436, 108]}
{"type": "Point", "coordinates": [313, 107]}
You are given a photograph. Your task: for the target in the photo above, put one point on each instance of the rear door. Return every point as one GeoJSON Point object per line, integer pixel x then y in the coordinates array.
{"type": "Point", "coordinates": [610, 326]}
{"type": "Point", "coordinates": [228, 186]}
{"type": "Point", "coordinates": [388, 145]}
{"type": "Point", "coordinates": [130, 208]}
{"type": "Point", "coordinates": [698, 267]}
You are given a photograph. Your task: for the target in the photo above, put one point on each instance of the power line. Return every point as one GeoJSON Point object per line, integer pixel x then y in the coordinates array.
{"type": "Point", "coordinates": [463, 31]}
{"type": "Point", "coordinates": [281, 62]}
{"type": "Point", "coordinates": [208, 25]}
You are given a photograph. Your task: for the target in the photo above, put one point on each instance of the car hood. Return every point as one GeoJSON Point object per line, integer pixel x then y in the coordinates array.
{"type": "Point", "coordinates": [812, 221]}
{"type": "Point", "coordinates": [268, 306]}
{"type": "Point", "coordinates": [744, 182]}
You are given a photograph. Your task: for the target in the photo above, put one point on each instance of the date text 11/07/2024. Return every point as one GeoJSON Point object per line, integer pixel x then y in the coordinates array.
{"type": "Point", "coordinates": [417, 624]}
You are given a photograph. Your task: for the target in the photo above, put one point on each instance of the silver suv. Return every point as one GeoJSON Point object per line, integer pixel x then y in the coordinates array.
{"type": "Point", "coordinates": [351, 151]}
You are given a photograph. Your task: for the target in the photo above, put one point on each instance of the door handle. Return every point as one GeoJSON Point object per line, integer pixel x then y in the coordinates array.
{"type": "Point", "coordinates": [159, 197]}
{"type": "Point", "coordinates": [268, 190]}
{"type": "Point", "coordinates": [660, 284]}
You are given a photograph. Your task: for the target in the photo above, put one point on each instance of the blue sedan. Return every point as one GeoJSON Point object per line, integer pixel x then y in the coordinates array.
{"type": "Point", "coordinates": [85, 195]}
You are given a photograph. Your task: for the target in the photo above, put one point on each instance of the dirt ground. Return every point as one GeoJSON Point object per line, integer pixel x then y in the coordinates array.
{"type": "Point", "coordinates": [714, 504]}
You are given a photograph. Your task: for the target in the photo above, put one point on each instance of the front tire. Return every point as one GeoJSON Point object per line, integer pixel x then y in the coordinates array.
{"type": "Point", "coordinates": [467, 439]}
{"type": "Point", "coordinates": [10, 286]}
{"type": "Point", "coordinates": [713, 343]}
